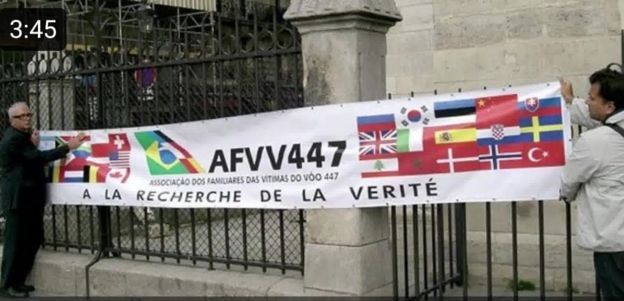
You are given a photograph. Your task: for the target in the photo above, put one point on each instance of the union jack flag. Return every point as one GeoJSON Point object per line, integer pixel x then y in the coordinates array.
{"type": "Point", "coordinates": [378, 142]}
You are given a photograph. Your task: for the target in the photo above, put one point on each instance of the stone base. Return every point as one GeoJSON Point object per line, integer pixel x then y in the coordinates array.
{"type": "Point", "coordinates": [355, 270]}
{"type": "Point", "coordinates": [63, 274]}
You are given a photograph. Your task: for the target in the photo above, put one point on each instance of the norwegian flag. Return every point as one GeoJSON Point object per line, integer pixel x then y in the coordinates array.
{"type": "Point", "coordinates": [493, 157]}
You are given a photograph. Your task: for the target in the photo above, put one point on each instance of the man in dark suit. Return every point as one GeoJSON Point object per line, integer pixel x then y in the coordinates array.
{"type": "Point", "coordinates": [23, 192]}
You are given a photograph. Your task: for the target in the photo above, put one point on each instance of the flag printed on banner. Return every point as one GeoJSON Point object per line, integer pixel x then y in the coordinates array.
{"type": "Point", "coordinates": [455, 135]}
{"type": "Point", "coordinates": [497, 119]}
{"type": "Point", "coordinates": [409, 140]}
{"type": "Point", "coordinates": [543, 122]}
{"type": "Point", "coordinates": [101, 162]}
{"type": "Point", "coordinates": [534, 106]}
{"type": "Point", "coordinates": [115, 151]}
{"type": "Point", "coordinates": [410, 128]}
{"type": "Point", "coordinates": [453, 147]}
{"type": "Point", "coordinates": [415, 116]}
{"type": "Point", "coordinates": [494, 157]}
{"type": "Point", "coordinates": [71, 168]}
{"type": "Point", "coordinates": [454, 108]}
{"type": "Point", "coordinates": [539, 154]}
{"type": "Point", "coordinates": [377, 135]}
{"type": "Point", "coordinates": [501, 132]}
{"type": "Point", "coordinates": [166, 157]}
{"type": "Point", "coordinates": [458, 160]}
{"type": "Point", "coordinates": [381, 168]}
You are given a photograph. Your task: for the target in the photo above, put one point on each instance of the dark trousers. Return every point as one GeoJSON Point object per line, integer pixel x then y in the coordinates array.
{"type": "Point", "coordinates": [23, 235]}
{"type": "Point", "coordinates": [610, 274]}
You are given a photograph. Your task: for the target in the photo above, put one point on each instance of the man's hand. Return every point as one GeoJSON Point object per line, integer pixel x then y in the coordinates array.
{"type": "Point", "coordinates": [75, 142]}
{"type": "Point", "coordinates": [566, 90]}
{"type": "Point", "coordinates": [34, 137]}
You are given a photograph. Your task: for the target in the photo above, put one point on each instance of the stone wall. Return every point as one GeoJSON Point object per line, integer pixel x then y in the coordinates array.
{"type": "Point", "coordinates": [469, 44]}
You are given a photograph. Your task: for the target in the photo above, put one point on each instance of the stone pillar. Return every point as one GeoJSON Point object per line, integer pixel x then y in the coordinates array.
{"type": "Point", "coordinates": [347, 251]}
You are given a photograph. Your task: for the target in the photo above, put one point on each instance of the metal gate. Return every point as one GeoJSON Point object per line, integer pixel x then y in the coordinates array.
{"type": "Point", "coordinates": [132, 63]}
{"type": "Point", "coordinates": [428, 249]}
{"type": "Point", "coordinates": [431, 243]}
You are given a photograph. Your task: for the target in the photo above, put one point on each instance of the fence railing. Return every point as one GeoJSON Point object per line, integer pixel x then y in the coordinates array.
{"type": "Point", "coordinates": [249, 238]}
{"type": "Point", "coordinates": [436, 254]}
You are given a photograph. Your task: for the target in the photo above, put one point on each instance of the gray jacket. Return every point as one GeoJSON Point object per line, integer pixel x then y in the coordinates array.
{"type": "Point", "coordinates": [594, 177]}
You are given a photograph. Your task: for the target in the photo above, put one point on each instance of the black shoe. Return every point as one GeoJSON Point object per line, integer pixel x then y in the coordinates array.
{"type": "Point", "coordinates": [24, 288]}
{"type": "Point", "coordinates": [12, 293]}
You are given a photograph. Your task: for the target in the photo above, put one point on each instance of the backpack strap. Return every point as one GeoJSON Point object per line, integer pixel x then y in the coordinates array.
{"type": "Point", "coordinates": [616, 127]}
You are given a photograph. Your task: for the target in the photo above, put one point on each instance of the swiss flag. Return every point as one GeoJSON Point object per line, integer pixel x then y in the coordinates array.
{"type": "Point", "coordinates": [116, 142]}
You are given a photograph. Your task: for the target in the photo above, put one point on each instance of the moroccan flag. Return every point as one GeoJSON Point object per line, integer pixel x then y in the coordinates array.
{"type": "Point", "coordinates": [164, 156]}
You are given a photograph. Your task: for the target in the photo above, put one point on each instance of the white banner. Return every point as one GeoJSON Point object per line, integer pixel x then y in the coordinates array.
{"type": "Point", "coordinates": [495, 145]}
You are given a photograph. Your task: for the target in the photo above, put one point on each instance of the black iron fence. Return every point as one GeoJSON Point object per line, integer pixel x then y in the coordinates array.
{"type": "Point", "coordinates": [249, 238]}
{"type": "Point", "coordinates": [428, 248]}
{"type": "Point", "coordinates": [436, 255]}
{"type": "Point", "coordinates": [120, 69]}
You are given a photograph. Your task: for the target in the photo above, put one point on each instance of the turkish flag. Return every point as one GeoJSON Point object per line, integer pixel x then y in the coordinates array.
{"type": "Point", "coordinates": [538, 154]}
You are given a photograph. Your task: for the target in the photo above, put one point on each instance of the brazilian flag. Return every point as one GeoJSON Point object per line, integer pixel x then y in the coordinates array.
{"type": "Point", "coordinates": [164, 156]}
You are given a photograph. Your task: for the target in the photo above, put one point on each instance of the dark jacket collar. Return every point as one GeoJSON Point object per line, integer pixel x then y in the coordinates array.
{"type": "Point", "coordinates": [17, 132]}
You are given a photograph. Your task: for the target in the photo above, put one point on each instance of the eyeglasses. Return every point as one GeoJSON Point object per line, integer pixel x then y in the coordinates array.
{"type": "Point", "coordinates": [22, 116]}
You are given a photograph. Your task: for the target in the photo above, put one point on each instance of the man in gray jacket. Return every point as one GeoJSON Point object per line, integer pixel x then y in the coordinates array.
{"type": "Point", "coordinates": [594, 175]}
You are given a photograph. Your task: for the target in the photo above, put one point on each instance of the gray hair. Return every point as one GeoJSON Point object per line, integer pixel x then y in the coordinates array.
{"type": "Point", "coordinates": [14, 106]}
